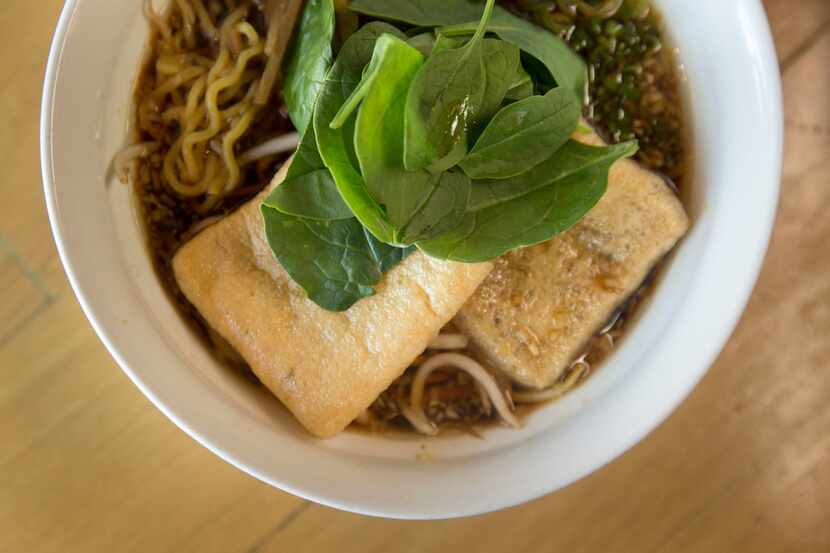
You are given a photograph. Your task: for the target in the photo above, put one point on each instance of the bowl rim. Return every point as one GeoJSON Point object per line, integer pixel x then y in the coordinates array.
{"type": "Point", "coordinates": [771, 77]}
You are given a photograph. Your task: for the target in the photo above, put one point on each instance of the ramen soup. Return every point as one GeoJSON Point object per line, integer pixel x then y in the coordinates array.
{"type": "Point", "coordinates": [409, 214]}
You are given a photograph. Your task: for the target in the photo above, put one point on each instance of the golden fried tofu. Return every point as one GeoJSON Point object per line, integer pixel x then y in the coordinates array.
{"type": "Point", "coordinates": [326, 367]}
{"type": "Point", "coordinates": [534, 314]}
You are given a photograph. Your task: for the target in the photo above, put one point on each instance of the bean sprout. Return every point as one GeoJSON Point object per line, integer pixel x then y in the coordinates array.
{"type": "Point", "coordinates": [484, 397]}
{"type": "Point", "coordinates": [415, 411]}
{"type": "Point", "coordinates": [419, 421]}
{"type": "Point", "coordinates": [122, 163]}
{"type": "Point", "coordinates": [611, 322]}
{"type": "Point", "coordinates": [578, 371]}
{"type": "Point", "coordinates": [277, 145]}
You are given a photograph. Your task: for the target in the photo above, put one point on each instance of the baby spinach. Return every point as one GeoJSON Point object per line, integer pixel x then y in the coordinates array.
{"type": "Point", "coordinates": [569, 160]}
{"type": "Point", "coordinates": [542, 80]}
{"type": "Point", "coordinates": [386, 256]}
{"type": "Point", "coordinates": [521, 86]}
{"type": "Point", "coordinates": [507, 214]}
{"type": "Point", "coordinates": [313, 195]}
{"type": "Point", "coordinates": [422, 13]}
{"type": "Point", "coordinates": [418, 204]}
{"type": "Point", "coordinates": [565, 65]}
{"type": "Point", "coordinates": [501, 63]}
{"type": "Point", "coordinates": [337, 145]}
{"type": "Point", "coordinates": [447, 93]}
{"type": "Point", "coordinates": [423, 42]}
{"type": "Point", "coordinates": [352, 102]}
{"type": "Point", "coordinates": [309, 189]}
{"type": "Point", "coordinates": [308, 61]}
{"type": "Point", "coordinates": [336, 262]}
{"type": "Point", "coordinates": [461, 17]}
{"type": "Point", "coordinates": [441, 209]}
{"type": "Point", "coordinates": [446, 43]}
{"type": "Point", "coordinates": [384, 160]}
{"type": "Point", "coordinates": [522, 135]}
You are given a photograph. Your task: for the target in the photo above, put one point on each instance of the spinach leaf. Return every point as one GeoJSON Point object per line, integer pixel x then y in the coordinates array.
{"type": "Point", "coordinates": [501, 63]}
{"type": "Point", "coordinates": [308, 61]}
{"type": "Point", "coordinates": [345, 24]}
{"type": "Point", "coordinates": [307, 157]}
{"type": "Point", "coordinates": [423, 42]}
{"type": "Point", "coordinates": [379, 133]}
{"type": "Point", "coordinates": [441, 209]}
{"type": "Point", "coordinates": [565, 65]}
{"type": "Point", "coordinates": [446, 43]}
{"type": "Point", "coordinates": [543, 81]}
{"type": "Point", "coordinates": [569, 160]}
{"type": "Point", "coordinates": [417, 204]}
{"type": "Point", "coordinates": [522, 135]}
{"type": "Point", "coordinates": [313, 195]}
{"type": "Point", "coordinates": [460, 17]}
{"type": "Point", "coordinates": [386, 256]}
{"type": "Point", "coordinates": [447, 93]}
{"type": "Point", "coordinates": [336, 262]}
{"type": "Point", "coordinates": [336, 146]}
{"type": "Point", "coordinates": [521, 86]}
{"type": "Point", "coordinates": [534, 207]}
{"type": "Point", "coordinates": [352, 102]}
{"type": "Point", "coordinates": [309, 189]}
{"type": "Point", "coordinates": [422, 13]}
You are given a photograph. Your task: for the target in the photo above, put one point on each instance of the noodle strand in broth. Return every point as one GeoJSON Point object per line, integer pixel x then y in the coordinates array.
{"type": "Point", "coordinates": [194, 115]}
{"type": "Point", "coordinates": [216, 66]}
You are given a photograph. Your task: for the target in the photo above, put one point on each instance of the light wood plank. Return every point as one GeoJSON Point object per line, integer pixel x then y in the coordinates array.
{"type": "Point", "coordinates": [89, 465]}
{"type": "Point", "coordinates": [26, 295]}
{"type": "Point", "coordinates": [807, 111]}
{"type": "Point", "coordinates": [791, 27]}
{"type": "Point", "coordinates": [26, 34]}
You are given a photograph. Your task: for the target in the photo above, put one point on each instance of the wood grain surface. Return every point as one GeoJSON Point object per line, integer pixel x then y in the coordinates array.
{"type": "Point", "coordinates": [88, 465]}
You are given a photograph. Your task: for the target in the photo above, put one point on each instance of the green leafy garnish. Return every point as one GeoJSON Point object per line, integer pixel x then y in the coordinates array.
{"type": "Point", "coordinates": [423, 42]}
{"type": "Point", "coordinates": [420, 203]}
{"type": "Point", "coordinates": [444, 100]}
{"type": "Point", "coordinates": [442, 138]}
{"type": "Point", "coordinates": [337, 145]}
{"type": "Point", "coordinates": [522, 135]}
{"type": "Point", "coordinates": [521, 86]}
{"type": "Point", "coordinates": [336, 262]}
{"type": "Point", "coordinates": [308, 61]}
{"type": "Point", "coordinates": [421, 13]}
{"type": "Point", "coordinates": [501, 63]}
{"type": "Point", "coordinates": [565, 66]}
{"type": "Point", "coordinates": [505, 215]}
{"type": "Point", "coordinates": [460, 17]}
{"type": "Point", "coordinates": [309, 189]}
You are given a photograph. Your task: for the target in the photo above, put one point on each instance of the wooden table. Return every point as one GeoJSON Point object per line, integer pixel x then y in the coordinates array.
{"type": "Point", "coordinates": [88, 465]}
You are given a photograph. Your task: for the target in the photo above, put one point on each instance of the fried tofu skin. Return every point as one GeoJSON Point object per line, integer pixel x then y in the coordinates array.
{"type": "Point", "coordinates": [534, 314]}
{"type": "Point", "coordinates": [326, 367]}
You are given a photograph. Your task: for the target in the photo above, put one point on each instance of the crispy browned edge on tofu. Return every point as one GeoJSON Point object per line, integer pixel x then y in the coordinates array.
{"type": "Point", "coordinates": [325, 367]}
{"type": "Point", "coordinates": [536, 311]}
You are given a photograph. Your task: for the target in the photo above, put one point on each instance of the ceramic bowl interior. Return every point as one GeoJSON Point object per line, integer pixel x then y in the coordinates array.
{"type": "Point", "coordinates": [734, 106]}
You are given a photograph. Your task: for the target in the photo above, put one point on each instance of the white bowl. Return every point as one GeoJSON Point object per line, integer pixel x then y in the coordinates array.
{"type": "Point", "coordinates": [734, 87]}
